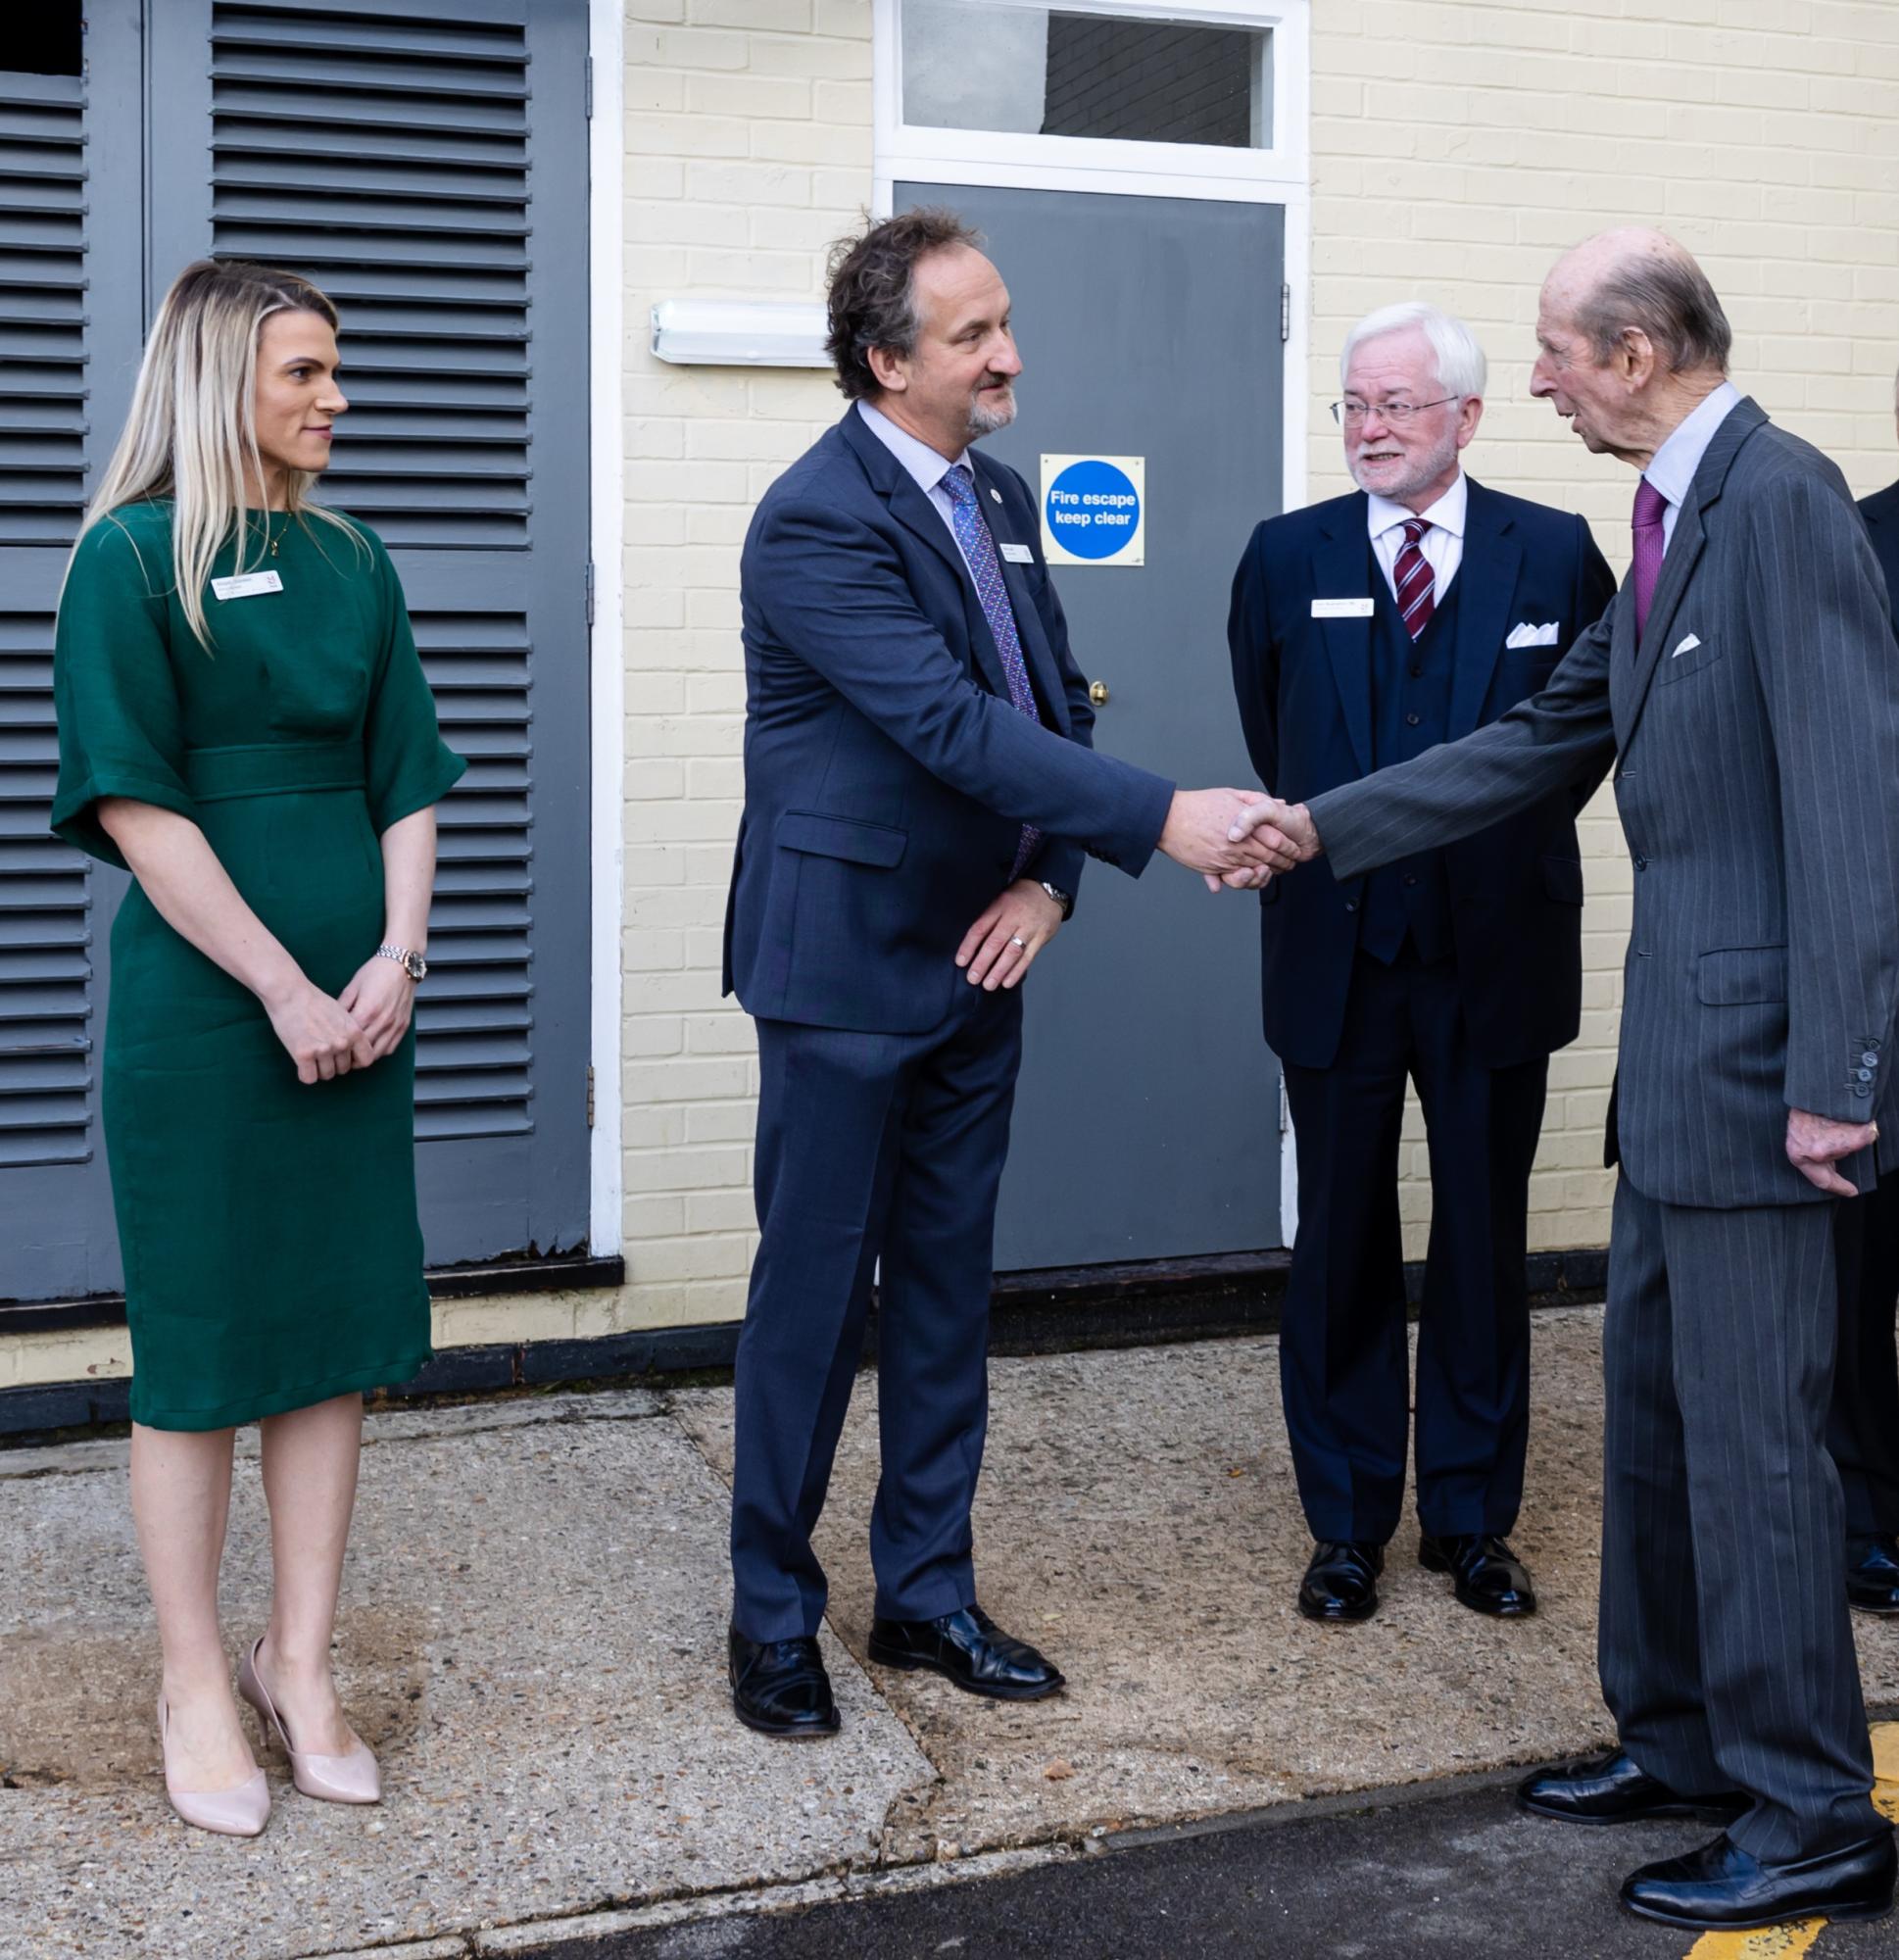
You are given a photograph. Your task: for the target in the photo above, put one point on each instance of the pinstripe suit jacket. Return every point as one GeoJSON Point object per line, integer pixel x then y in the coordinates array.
{"type": "Point", "coordinates": [1757, 727]}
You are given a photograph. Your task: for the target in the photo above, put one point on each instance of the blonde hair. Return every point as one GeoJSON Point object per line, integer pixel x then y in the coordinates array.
{"type": "Point", "coordinates": [192, 431]}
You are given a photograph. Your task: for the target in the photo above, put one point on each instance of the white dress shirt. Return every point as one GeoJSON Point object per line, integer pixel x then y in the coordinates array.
{"type": "Point", "coordinates": [1671, 469]}
{"type": "Point", "coordinates": [1442, 545]}
{"type": "Point", "coordinates": [923, 463]}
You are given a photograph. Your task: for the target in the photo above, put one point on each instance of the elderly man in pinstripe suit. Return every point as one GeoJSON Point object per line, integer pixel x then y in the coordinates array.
{"type": "Point", "coordinates": [1745, 681]}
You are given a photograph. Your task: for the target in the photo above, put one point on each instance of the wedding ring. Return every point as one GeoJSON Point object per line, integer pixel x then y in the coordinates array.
{"type": "Point", "coordinates": [1016, 939]}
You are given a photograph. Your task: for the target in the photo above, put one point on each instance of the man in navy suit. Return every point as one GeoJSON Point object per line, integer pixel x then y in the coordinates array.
{"type": "Point", "coordinates": [1363, 631]}
{"type": "Point", "coordinates": [920, 794]}
{"type": "Point", "coordinates": [1863, 1426]}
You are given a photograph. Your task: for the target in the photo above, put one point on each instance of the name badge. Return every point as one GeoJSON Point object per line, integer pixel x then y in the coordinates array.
{"type": "Point", "coordinates": [247, 584]}
{"type": "Point", "coordinates": [1016, 553]}
{"type": "Point", "coordinates": [1341, 609]}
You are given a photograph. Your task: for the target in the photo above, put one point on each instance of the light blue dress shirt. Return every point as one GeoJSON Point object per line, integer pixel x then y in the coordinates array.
{"type": "Point", "coordinates": [1671, 469]}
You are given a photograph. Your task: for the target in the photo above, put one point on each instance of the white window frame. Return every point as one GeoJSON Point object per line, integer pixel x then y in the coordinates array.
{"type": "Point", "coordinates": [1282, 174]}
{"type": "Point", "coordinates": [606, 652]}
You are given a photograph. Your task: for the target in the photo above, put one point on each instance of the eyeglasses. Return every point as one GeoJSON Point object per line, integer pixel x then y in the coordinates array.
{"type": "Point", "coordinates": [1348, 414]}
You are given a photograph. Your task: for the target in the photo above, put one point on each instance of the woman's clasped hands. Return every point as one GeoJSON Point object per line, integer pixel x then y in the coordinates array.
{"type": "Point", "coordinates": [320, 1033]}
{"type": "Point", "coordinates": [328, 1036]}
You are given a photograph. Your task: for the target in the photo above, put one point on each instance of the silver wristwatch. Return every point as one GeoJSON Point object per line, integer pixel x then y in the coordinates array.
{"type": "Point", "coordinates": [411, 963]}
{"type": "Point", "coordinates": [1066, 900]}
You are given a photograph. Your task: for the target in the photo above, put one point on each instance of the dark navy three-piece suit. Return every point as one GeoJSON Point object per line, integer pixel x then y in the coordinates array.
{"type": "Point", "coordinates": [1459, 969]}
{"type": "Point", "coordinates": [888, 777]}
{"type": "Point", "coordinates": [1863, 1429]}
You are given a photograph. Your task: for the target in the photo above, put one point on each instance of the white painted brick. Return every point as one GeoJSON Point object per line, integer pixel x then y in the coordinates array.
{"type": "Point", "coordinates": [846, 102]}
{"type": "Point", "coordinates": [788, 16]}
{"type": "Point", "coordinates": [721, 1212]}
{"type": "Point", "coordinates": [814, 143]}
{"type": "Point", "coordinates": [685, 135]}
{"type": "Point", "coordinates": [748, 184]}
{"type": "Point", "coordinates": [748, 95]}
{"type": "Point", "coordinates": [681, 48]}
{"type": "Point", "coordinates": [785, 54]}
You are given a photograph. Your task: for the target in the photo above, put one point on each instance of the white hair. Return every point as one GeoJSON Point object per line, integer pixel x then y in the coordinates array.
{"type": "Point", "coordinates": [1461, 367]}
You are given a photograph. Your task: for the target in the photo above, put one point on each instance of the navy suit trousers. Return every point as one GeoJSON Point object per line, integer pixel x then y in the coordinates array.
{"type": "Point", "coordinates": [870, 1146]}
{"type": "Point", "coordinates": [1345, 1364]}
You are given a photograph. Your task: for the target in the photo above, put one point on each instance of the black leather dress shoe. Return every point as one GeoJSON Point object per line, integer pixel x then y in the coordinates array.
{"type": "Point", "coordinates": [1341, 1580]}
{"type": "Point", "coordinates": [972, 1651]}
{"type": "Point", "coordinates": [780, 1688]}
{"type": "Point", "coordinates": [1872, 1573]}
{"type": "Point", "coordinates": [1488, 1576]}
{"type": "Point", "coordinates": [1720, 1887]}
{"type": "Point", "coordinates": [1613, 1789]}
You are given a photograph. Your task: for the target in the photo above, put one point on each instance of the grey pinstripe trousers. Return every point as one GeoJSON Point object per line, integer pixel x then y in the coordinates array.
{"type": "Point", "coordinates": [1724, 1643]}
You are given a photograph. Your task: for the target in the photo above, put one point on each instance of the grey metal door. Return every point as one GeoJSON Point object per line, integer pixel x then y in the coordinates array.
{"type": "Point", "coordinates": [1147, 1119]}
{"type": "Point", "coordinates": [427, 165]}
{"type": "Point", "coordinates": [71, 179]}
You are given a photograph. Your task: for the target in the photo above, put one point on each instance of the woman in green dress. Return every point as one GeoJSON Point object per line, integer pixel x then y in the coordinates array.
{"type": "Point", "coordinates": [244, 725]}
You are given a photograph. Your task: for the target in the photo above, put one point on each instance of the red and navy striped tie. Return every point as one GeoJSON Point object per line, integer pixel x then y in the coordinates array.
{"type": "Point", "coordinates": [1416, 581]}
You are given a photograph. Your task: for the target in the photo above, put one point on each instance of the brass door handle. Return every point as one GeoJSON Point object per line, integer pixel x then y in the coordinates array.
{"type": "Point", "coordinates": [1098, 693]}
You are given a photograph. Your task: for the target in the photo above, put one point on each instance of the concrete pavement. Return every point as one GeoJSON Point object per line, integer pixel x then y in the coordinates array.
{"type": "Point", "coordinates": [532, 1638]}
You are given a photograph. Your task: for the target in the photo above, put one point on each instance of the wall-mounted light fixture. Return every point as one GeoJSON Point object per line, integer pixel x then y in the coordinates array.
{"type": "Point", "coordinates": [739, 333]}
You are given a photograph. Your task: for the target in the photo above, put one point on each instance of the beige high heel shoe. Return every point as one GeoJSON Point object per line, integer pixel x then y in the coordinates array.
{"type": "Point", "coordinates": [349, 1778]}
{"type": "Point", "coordinates": [232, 1813]}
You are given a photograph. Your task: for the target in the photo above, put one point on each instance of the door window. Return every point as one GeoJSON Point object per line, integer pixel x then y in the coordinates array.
{"type": "Point", "coordinates": [1068, 72]}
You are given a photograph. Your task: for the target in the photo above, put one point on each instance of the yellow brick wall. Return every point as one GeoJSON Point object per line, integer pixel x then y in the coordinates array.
{"type": "Point", "coordinates": [1458, 148]}
{"type": "Point", "coordinates": [749, 150]}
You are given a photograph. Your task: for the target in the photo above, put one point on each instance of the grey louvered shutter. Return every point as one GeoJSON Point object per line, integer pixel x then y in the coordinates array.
{"type": "Point", "coordinates": [69, 338]}
{"type": "Point", "coordinates": [426, 164]}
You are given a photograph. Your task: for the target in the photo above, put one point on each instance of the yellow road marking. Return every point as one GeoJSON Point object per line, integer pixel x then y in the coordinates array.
{"type": "Point", "coordinates": [1885, 1761]}
{"type": "Point", "coordinates": [1770, 1943]}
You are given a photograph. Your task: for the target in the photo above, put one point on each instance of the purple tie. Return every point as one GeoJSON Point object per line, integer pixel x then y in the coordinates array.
{"type": "Point", "coordinates": [1650, 505]}
{"type": "Point", "coordinates": [979, 549]}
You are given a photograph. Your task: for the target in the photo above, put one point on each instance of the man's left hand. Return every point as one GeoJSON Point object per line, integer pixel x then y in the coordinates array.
{"type": "Point", "coordinates": [1815, 1143]}
{"type": "Point", "coordinates": [1002, 946]}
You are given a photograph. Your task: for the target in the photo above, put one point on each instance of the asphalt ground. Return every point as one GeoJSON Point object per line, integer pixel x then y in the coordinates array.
{"type": "Point", "coordinates": [1449, 1877]}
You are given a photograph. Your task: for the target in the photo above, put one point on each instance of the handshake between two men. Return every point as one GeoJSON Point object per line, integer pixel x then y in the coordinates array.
{"type": "Point", "coordinates": [1236, 839]}
{"type": "Point", "coordinates": [1274, 836]}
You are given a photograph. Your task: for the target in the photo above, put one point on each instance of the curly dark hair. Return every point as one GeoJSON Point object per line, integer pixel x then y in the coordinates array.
{"type": "Point", "coordinates": [872, 297]}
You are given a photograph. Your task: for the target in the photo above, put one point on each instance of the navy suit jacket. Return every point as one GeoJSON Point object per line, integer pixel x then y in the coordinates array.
{"type": "Point", "coordinates": [887, 773]}
{"type": "Point", "coordinates": [1304, 688]}
{"type": "Point", "coordinates": [1881, 514]}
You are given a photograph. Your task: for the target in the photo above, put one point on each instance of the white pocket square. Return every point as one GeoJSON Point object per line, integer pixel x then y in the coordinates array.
{"type": "Point", "coordinates": [1687, 646]}
{"type": "Point", "coordinates": [1524, 634]}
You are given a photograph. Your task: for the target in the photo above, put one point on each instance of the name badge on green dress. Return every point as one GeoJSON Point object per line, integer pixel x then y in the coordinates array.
{"type": "Point", "coordinates": [247, 584]}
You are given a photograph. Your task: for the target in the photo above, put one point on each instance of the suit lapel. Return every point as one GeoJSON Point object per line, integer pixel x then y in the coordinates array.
{"type": "Point", "coordinates": [1683, 552]}
{"type": "Point", "coordinates": [1487, 573]}
{"type": "Point", "coordinates": [1622, 661]}
{"type": "Point", "coordinates": [1341, 569]}
{"type": "Point", "coordinates": [917, 515]}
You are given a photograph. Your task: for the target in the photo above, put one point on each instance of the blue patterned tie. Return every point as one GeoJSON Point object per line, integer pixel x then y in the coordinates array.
{"type": "Point", "coordinates": [979, 549]}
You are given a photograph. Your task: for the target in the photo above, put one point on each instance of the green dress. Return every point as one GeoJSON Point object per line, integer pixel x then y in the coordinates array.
{"type": "Point", "coordinates": [272, 1252]}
